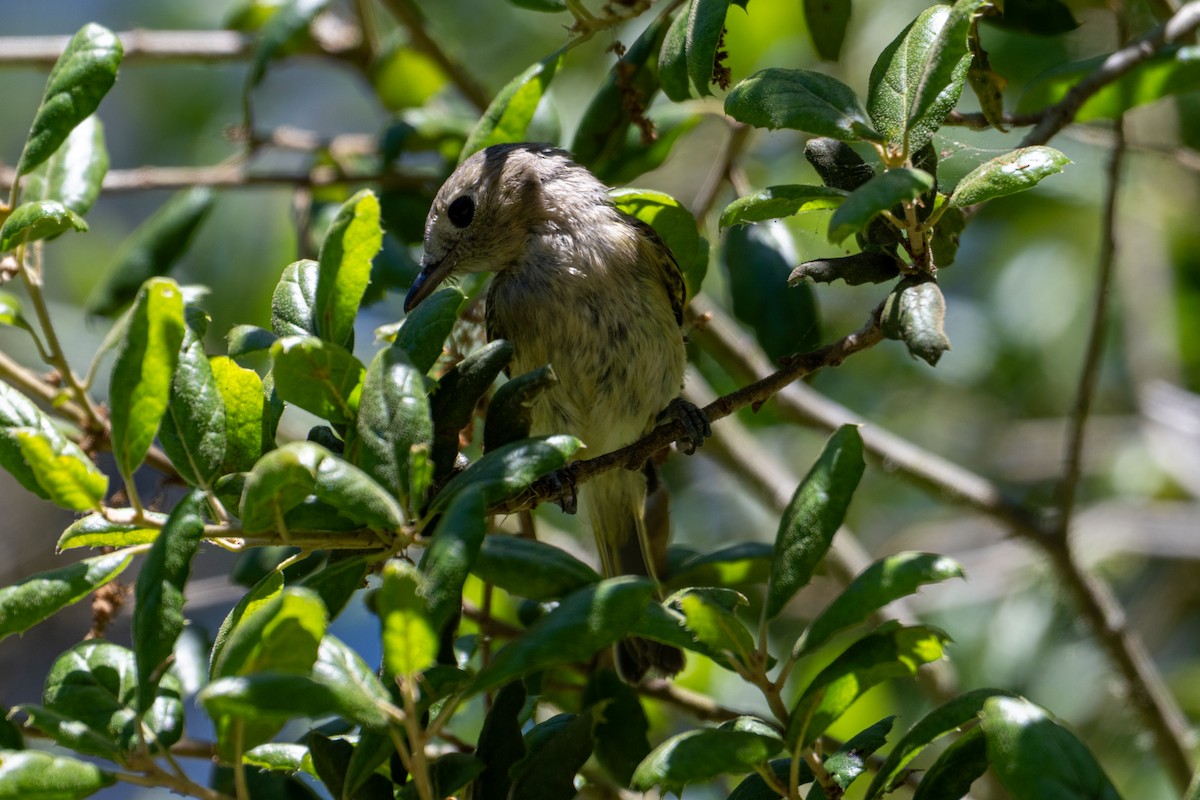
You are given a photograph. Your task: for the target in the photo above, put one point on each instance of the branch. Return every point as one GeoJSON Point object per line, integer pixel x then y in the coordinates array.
{"type": "Point", "coordinates": [1056, 117]}
{"type": "Point", "coordinates": [635, 455]}
{"type": "Point", "coordinates": [411, 18]}
{"type": "Point", "coordinates": [159, 46]}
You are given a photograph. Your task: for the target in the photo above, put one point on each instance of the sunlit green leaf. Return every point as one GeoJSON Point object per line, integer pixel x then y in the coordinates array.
{"type": "Point", "coordinates": [393, 417]}
{"type": "Point", "coordinates": [95, 530]}
{"type": "Point", "coordinates": [245, 411]}
{"type": "Point", "coordinates": [875, 196]}
{"type": "Point", "coordinates": [702, 754]}
{"type": "Point", "coordinates": [507, 118]}
{"type": "Point", "coordinates": [318, 376]}
{"type": "Point", "coordinates": [1015, 171]}
{"type": "Point", "coordinates": [62, 471]}
{"type": "Point", "coordinates": [800, 100]}
{"type": "Point", "coordinates": [294, 301]}
{"type": "Point", "coordinates": [38, 219]}
{"type": "Point", "coordinates": [36, 775]}
{"type": "Point", "coordinates": [74, 173]}
{"type": "Point", "coordinates": [344, 266]}
{"type": "Point", "coordinates": [193, 429]}
{"type": "Point", "coordinates": [33, 599]}
{"type": "Point", "coordinates": [670, 220]}
{"type": "Point", "coordinates": [410, 635]}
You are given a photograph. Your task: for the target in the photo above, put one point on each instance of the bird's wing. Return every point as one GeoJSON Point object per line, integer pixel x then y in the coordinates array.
{"type": "Point", "coordinates": [662, 262]}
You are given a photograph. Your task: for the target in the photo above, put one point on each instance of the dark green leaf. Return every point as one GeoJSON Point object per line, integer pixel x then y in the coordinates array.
{"type": "Point", "coordinates": [361, 780]}
{"type": "Point", "coordinates": [144, 370]}
{"type": "Point", "coordinates": [755, 788]}
{"type": "Point", "coordinates": [887, 579]}
{"type": "Point", "coordinates": [813, 516]}
{"type": "Point", "coordinates": [458, 392]}
{"type": "Point", "coordinates": [943, 245]}
{"type": "Point", "coordinates": [410, 635]}
{"type": "Point", "coordinates": [74, 173]}
{"type": "Point", "coordinates": [245, 339]}
{"type": "Point", "coordinates": [702, 754]}
{"type": "Point", "coordinates": [294, 302]}
{"type": "Point", "coordinates": [95, 530]}
{"type": "Point", "coordinates": [393, 418]}
{"type": "Point", "coordinates": [1041, 17]}
{"type": "Point", "coordinates": [757, 261]}
{"type": "Point", "coordinates": [855, 269]}
{"type": "Point", "coordinates": [850, 760]}
{"type": "Point", "coordinates": [729, 565]}
{"type": "Point", "coordinates": [360, 693]}
{"type": "Point", "coordinates": [510, 411]}
{"type": "Point", "coordinates": [500, 743]}
{"type": "Point", "coordinates": [344, 266]}
{"type": "Point", "coordinates": [875, 196]}
{"type": "Point", "coordinates": [716, 627]}
{"type": "Point", "coordinates": [706, 27]}
{"type": "Point", "coordinates": [509, 470]}
{"type": "Point", "coordinates": [151, 250]}
{"type": "Point", "coordinates": [507, 118]}
{"type": "Point", "coordinates": [275, 697]}
{"type": "Point", "coordinates": [585, 622]}
{"type": "Point", "coordinates": [283, 27]}
{"type": "Point", "coordinates": [33, 599]}
{"type": "Point", "coordinates": [891, 651]}
{"type": "Point", "coordinates": [193, 429]}
{"type": "Point", "coordinates": [529, 568]}
{"type": "Point", "coordinates": [10, 735]}
{"type": "Point", "coordinates": [70, 733]}
{"type": "Point", "coordinates": [321, 377]}
{"type": "Point", "coordinates": [158, 612]}
{"type": "Point", "coordinates": [1015, 171]}
{"type": "Point", "coordinates": [38, 219]}
{"type": "Point", "coordinates": [556, 750]}
{"type": "Point", "coordinates": [1035, 757]}
{"type": "Point", "coordinates": [547, 6]}
{"type": "Point", "coordinates": [672, 57]}
{"type": "Point", "coordinates": [774, 202]}
{"type": "Point", "coordinates": [337, 582]}
{"type": "Point", "coordinates": [423, 332]}
{"type": "Point", "coordinates": [827, 21]}
{"type": "Point", "coordinates": [918, 78]}
{"type": "Point", "coordinates": [95, 682]}
{"type": "Point", "coordinates": [914, 313]}
{"type": "Point", "coordinates": [35, 775]}
{"type": "Point", "coordinates": [447, 774]}
{"type": "Point", "coordinates": [958, 766]}
{"type": "Point", "coordinates": [944, 719]}
{"type": "Point", "coordinates": [801, 100]}
{"type": "Point", "coordinates": [275, 631]}
{"type": "Point", "coordinates": [838, 164]}
{"type": "Point", "coordinates": [447, 561]}
{"type": "Point", "coordinates": [246, 413]}
{"type": "Point", "coordinates": [637, 157]}
{"type": "Point", "coordinates": [620, 733]}
{"type": "Point", "coordinates": [80, 78]}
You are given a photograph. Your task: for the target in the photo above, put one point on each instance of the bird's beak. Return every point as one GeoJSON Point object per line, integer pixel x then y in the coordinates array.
{"type": "Point", "coordinates": [431, 276]}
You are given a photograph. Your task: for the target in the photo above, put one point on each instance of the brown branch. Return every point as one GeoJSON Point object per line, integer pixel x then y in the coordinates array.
{"type": "Point", "coordinates": [411, 18]}
{"type": "Point", "coordinates": [140, 45]}
{"type": "Point", "coordinates": [1058, 116]}
{"type": "Point", "coordinates": [754, 395]}
{"type": "Point", "coordinates": [977, 121]}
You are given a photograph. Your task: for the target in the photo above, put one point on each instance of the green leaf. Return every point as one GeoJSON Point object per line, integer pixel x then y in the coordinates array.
{"type": "Point", "coordinates": [344, 266]}
{"type": "Point", "coordinates": [706, 26]}
{"type": "Point", "coordinates": [891, 651]}
{"type": "Point", "coordinates": [243, 340]}
{"type": "Point", "coordinates": [246, 411]}
{"type": "Point", "coordinates": [95, 682]}
{"type": "Point", "coordinates": [800, 100]}
{"type": "Point", "coordinates": [813, 516]}
{"type": "Point", "coordinates": [956, 768]}
{"type": "Point", "coordinates": [193, 429]}
{"type": "Point", "coordinates": [555, 751]}
{"type": "Point", "coordinates": [637, 157]}
{"type": "Point", "coordinates": [33, 599]}
{"type": "Point", "coordinates": [454, 547]}
{"type": "Point", "coordinates": [601, 135]}
{"type": "Point", "coordinates": [585, 622]}
{"type": "Point", "coordinates": [70, 733]}
{"type": "Point", "coordinates": [545, 6]}
{"type": "Point", "coordinates": [510, 411]}
{"type": "Point", "coordinates": [1168, 73]}
{"type": "Point", "coordinates": [283, 478]}
{"type": "Point", "coordinates": [500, 744]}
{"type": "Point", "coordinates": [284, 26]}
{"type": "Point", "coordinates": [38, 219]}
{"type": "Point", "coordinates": [775, 202]}
{"type": "Point", "coordinates": [263, 593]}
{"type": "Point", "coordinates": [620, 733]}
{"type": "Point", "coordinates": [410, 635]}
{"type": "Point", "coordinates": [850, 760]}
{"type": "Point", "coordinates": [918, 78]}
{"type": "Point", "coordinates": [321, 377]}
{"type": "Point", "coordinates": [529, 568]}
{"type": "Point", "coordinates": [61, 469]}
{"type": "Point", "coordinates": [888, 579]}
{"type": "Point", "coordinates": [1015, 171]}
{"type": "Point", "coordinates": [509, 470]}
{"type": "Point", "coordinates": [276, 697]}
{"type": "Point", "coordinates": [1034, 757]}
{"type": "Point", "coordinates": [294, 302]}
{"type": "Point", "coordinates": [838, 164]}
{"type": "Point", "coordinates": [280, 757]}
{"type": "Point", "coordinates": [827, 22]}
{"type": "Point", "coordinates": [152, 249]}
{"type": "Point", "coordinates": [11, 313]}
{"type": "Point", "coordinates": [717, 628]}
{"type": "Point", "coordinates": [946, 718]}
{"type": "Point", "coordinates": [914, 313]}
{"type": "Point", "coordinates": [34, 775]}
{"type": "Point", "coordinates": [875, 196]}
{"type": "Point", "coordinates": [74, 174]}
{"type": "Point", "coordinates": [672, 57]}
{"type": "Point", "coordinates": [1039, 17]}
{"type": "Point", "coordinates": [755, 788]}
{"type": "Point", "coordinates": [96, 531]}
{"type": "Point", "coordinates": [702, 754]}
{"type": "Point", "coordinates": [158, 613]}
{"type": "Point", "coordinates": [855, 269]}
{"type": "Point", "coordinates": [674, 224]}
{"type": "Point", "coordinates": [337, 581]}
{"type": "Point", "coordinates": [360, 692]}
{"type": "Point", "coordinates": [144, 370]}
{"type": "Point", "coordinates": [80, 78]}
{"type": "Point", "coordinates": [458, 392]}
{"type": "Point", "coordinates": [393, 418]}
{"type": "Point", "coordinates": [507, 118]}
{"type": "Point", "coordinates": [757, 261]}
{"type": "Point", "coordinates": [733, 564]}
{"type": "Point", "coordinates": [423, 332]}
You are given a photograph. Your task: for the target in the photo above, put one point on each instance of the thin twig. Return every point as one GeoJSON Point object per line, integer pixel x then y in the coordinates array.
{"type": "Point", "coordinates": [414, 21]}
{"type": "Point", "coordinates": [139, 45]}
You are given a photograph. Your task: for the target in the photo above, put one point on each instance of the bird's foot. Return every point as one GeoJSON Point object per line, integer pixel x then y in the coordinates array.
{"type": "Point", "coordinates": [696, 426]}
{"type": "Point", "coordinates": [563, 482]}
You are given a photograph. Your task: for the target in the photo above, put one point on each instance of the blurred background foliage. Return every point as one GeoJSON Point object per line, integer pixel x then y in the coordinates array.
{"type": "Point", "coordinates": [1019, 298]}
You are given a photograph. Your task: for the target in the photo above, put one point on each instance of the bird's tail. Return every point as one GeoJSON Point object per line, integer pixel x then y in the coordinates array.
{"type": "Point", "coordinates": [617, 503]}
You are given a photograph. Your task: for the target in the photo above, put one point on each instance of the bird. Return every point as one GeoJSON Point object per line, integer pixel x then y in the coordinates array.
{"type": "Point", "coordinates": [597, 294]}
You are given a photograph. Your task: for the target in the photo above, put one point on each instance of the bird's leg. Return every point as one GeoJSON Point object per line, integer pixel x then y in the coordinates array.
{"type": "Point", "coordinates": [696, 426]}
{"type": "Point", "coordinates": [564, 487]}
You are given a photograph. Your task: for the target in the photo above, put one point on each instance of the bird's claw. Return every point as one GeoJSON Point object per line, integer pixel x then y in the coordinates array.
{"type": "Point", "coordinates": [563, 481]}
{"type": "Point", "coordinates": [696, 425]}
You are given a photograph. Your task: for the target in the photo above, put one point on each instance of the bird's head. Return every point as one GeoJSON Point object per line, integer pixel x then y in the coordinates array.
{"type": "Point", "coordinates": [482, 215]}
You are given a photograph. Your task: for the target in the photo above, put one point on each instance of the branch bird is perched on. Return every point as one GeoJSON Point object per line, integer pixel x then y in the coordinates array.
{"type": "Point", "coordinates": [597, 294]}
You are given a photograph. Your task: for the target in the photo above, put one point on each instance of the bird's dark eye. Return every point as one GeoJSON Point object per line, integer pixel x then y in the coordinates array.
{"type": "Point", "coordinates": [461, 211]}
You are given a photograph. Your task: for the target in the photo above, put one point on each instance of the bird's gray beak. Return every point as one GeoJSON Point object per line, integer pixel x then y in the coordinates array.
{"type": "Point", "coordinates": [430, 277]}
